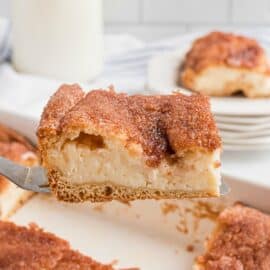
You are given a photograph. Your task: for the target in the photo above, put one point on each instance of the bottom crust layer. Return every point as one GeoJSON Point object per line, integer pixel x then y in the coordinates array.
{"type": "Point", "coordinates": [101, 192]}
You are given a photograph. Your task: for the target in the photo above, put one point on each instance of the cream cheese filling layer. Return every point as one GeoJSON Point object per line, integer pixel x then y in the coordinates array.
{"type": "Point", "coordinates": [221, 80]}
{"type": "Point", "coordinates": [110, 161]}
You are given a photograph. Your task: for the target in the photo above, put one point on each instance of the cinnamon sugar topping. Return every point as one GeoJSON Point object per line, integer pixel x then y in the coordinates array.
{"type": "Point", "coordinates": [160, 125]}
{"type": "Point", "coordinates": [219, 48]}
{"type": "Point", "coordinates": [241, 241]}
{"type": "Point", "coordinates": [32, 248]}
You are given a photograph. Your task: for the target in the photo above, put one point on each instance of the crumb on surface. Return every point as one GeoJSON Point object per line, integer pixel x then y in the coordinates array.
{"type": "Point", "coordinates": [190, 248]}
{"type": "Point", "coordinates": [99, 207]}
{"type": "Point", "coordinates": [167, 208]}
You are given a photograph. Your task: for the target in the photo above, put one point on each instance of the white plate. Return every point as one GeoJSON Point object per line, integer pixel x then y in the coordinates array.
{"type": "Point", "coordinates": [245, 135]}
{"type": "Point", "coordinates": [247, 141]}
{"type": "Point", "coordinates": [245, 147]}
{"type": "Point", "coordinates": [243, 128]}
{"type": "Point", "coordinates": [162, 70]}
{"type": "Point", "coordinates": [233, 145]}
{"type": "Point", "coordinates": [248, 120]}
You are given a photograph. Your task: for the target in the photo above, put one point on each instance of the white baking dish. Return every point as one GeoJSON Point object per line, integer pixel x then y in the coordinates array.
{"type": "Point", "coordinates": [139, 234]}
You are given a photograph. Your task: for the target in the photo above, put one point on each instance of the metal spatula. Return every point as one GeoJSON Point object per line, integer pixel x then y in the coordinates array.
{"type": "Point", "coordinates": [29, 178]}
{"type": "Point", "coordinates": [35, 178]}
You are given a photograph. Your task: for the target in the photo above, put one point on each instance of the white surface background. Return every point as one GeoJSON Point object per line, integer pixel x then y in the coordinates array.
{"type": "Point", "coordinates": [154, 19]}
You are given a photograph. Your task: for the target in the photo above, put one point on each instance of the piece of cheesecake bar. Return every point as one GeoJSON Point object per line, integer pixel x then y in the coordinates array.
{"type": "Point", "coordinates": [221, 64]}
{"type": "Point", "coordinates": [16, 148]}
{"type": "Point", "coordinates": [241, 241]}
{"type": "Point", "coordinates": [30, 248]}
{"type": "Point", "coordinates": [103, 145]}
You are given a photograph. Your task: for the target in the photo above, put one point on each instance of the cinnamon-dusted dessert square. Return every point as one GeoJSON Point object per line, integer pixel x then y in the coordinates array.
{"type": "Point", "coordinates": [30, 248]}
{"type": "Point", "coordinates": [221, 64]}
{"type": "Point", "coordinates": [241, 241]}
{"type": "Point", "coordinates": [18, 149]}
{"type": "Point", "coordinates": [102, 146]}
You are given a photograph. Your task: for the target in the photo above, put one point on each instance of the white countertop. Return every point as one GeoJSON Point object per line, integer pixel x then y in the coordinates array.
{"type": "Point", "coordinates": [248, 165]}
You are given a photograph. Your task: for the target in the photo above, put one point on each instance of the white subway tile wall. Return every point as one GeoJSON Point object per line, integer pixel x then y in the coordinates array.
{"type": "Point", "coordinates": [251, 11]}
{"type": "Point", "coordinates": [146, 32]}
{"type": "Point", "coordinates": [189, 11]}
{"type": "Point", "coordinates": [156, 19]}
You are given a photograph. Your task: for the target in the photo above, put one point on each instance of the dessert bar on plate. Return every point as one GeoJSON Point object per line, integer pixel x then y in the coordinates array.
{"type": "Point", "coordinates": [103, 145]}
{"type": "Point", "coordinates": [222, 64]}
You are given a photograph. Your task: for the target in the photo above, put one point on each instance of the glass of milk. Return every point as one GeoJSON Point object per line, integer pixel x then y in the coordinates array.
{"type": "Point", "coordinates": [61, 39]}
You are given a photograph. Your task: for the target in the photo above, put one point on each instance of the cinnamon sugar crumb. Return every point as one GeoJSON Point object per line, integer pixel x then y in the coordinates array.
{"type": "Point", "coordinates": [115, 262]}
{"type": "Point", "coordinates": [207, 210]}
{"type": "Point", "coordinates": [99, 207]}
{"type": "Point", "coordinates": [127, 203]}
{"type": "Point", "coordinates": [167, 208]}
{"type": "Point", "coordinates": [182, 227]}
{"type": "Point", "coordinates": [193, 213]}
{"type": "Point", "coordinates": [190, 248]}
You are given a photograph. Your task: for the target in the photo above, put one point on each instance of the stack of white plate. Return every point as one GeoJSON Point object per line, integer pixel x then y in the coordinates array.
{"type": "Point", "coordinates": [244, 123]}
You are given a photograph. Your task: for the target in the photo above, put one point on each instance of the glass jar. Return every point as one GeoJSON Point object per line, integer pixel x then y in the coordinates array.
{"type": "Point", "coordinates": [61, 39]}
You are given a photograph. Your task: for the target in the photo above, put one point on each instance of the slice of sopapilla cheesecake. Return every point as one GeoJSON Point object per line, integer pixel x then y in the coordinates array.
{"type": "Point", "coordinates": [222, 64]}
{"type": "Point", "coordinates": [31, 248]}
{"type": "Point", "coordinates": [102, 146]}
